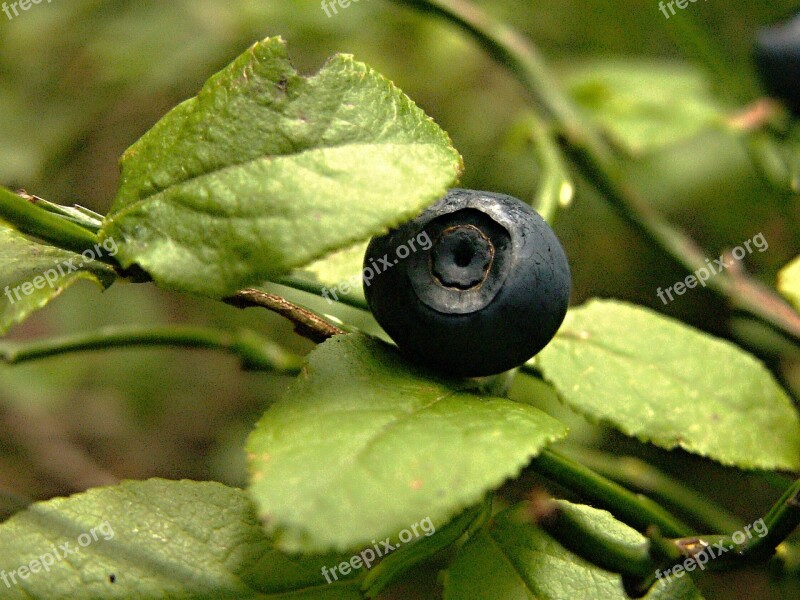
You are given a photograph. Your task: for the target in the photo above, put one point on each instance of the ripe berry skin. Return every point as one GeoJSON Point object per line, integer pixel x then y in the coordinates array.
{"type": "Point", "coordinates": [486, 291]}
{"type": "Point", "coordinates": [777, 56]}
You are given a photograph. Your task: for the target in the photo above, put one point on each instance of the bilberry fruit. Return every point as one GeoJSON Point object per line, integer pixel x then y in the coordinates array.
{"type": "Point", "coordinates": [486, 292]}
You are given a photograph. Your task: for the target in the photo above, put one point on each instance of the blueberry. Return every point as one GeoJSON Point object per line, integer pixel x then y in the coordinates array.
{"type": "Point", "coordinates": [777, 56]}
{"type": "Point", "coordinates": [476, 285]}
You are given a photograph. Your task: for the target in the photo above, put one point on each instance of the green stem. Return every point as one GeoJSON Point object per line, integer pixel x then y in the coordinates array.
{"type": "Point", "coordinates": [642, 565]}
{"type": "Point", "coordinates": [782, 519]}
{"type": "Point", "coordinates": [746, 546]}
{"type": "Point", "coordinates": [255, 352]}
{"type": "Point", "coordinates": [754, 546]}
{"type": "Point", "coordinates": [635, 509]}
{"type": "Point", "coordinates": [555, 188]}
{"type": "Point", "coordinates": [318, 289]}
{"type": "Point", "coordinates": [638, 475]}
{"type": "Point", "coordinates": [602, 166]}
{"type": "Point", "coordinates": [34, 220]}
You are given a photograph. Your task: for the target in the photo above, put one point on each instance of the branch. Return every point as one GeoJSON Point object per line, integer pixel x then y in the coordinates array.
{"type": "Point", "coordinates": [306, 323]}
{"type": "Point", "coordinates": [255, 352]}
{"type": "Point", "coordinates": [599, 163]}
{"type": "Point", "coordinates": [511, 49]}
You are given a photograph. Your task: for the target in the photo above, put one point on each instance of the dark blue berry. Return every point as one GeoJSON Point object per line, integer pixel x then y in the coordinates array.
{"type": "Point", "coordinates": [480, 284]}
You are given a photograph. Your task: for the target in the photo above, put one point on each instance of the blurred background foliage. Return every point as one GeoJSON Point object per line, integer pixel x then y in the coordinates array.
{"type": "Point", "coordinates": [81, 80]}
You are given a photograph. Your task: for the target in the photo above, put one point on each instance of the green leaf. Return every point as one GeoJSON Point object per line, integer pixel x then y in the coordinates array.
{"type": "Point", "coordinates": [645, 104]}
{"type": "Point", "coordinates": [657, 379]}
{"type": "Point", "coordinates": [265, 171]}
{"type": "Point", "coordinates": [365, 445]}
{"type": "Point", "coordinates": [29, 268]}
{"type": "Point", "coordinates": [341, 273]}
{"type": "Point", "coordinates": [155, 539]}
{"type": "Point", "coordinates": [512, 559]}
{"type": "Point", "coordinates": [343, 265]}
{"type": "Point", "coordinates": [789, 282]}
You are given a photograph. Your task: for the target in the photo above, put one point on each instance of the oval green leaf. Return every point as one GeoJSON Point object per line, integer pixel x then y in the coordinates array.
{"type": "Point", "coordinates": [154, 539]}
{"type": "Point", "coordinates": [266, 170]}
{"type": "Point", "coordinates": [364, 445]}
{"type": "Point", "coordinates": [654, 378]}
